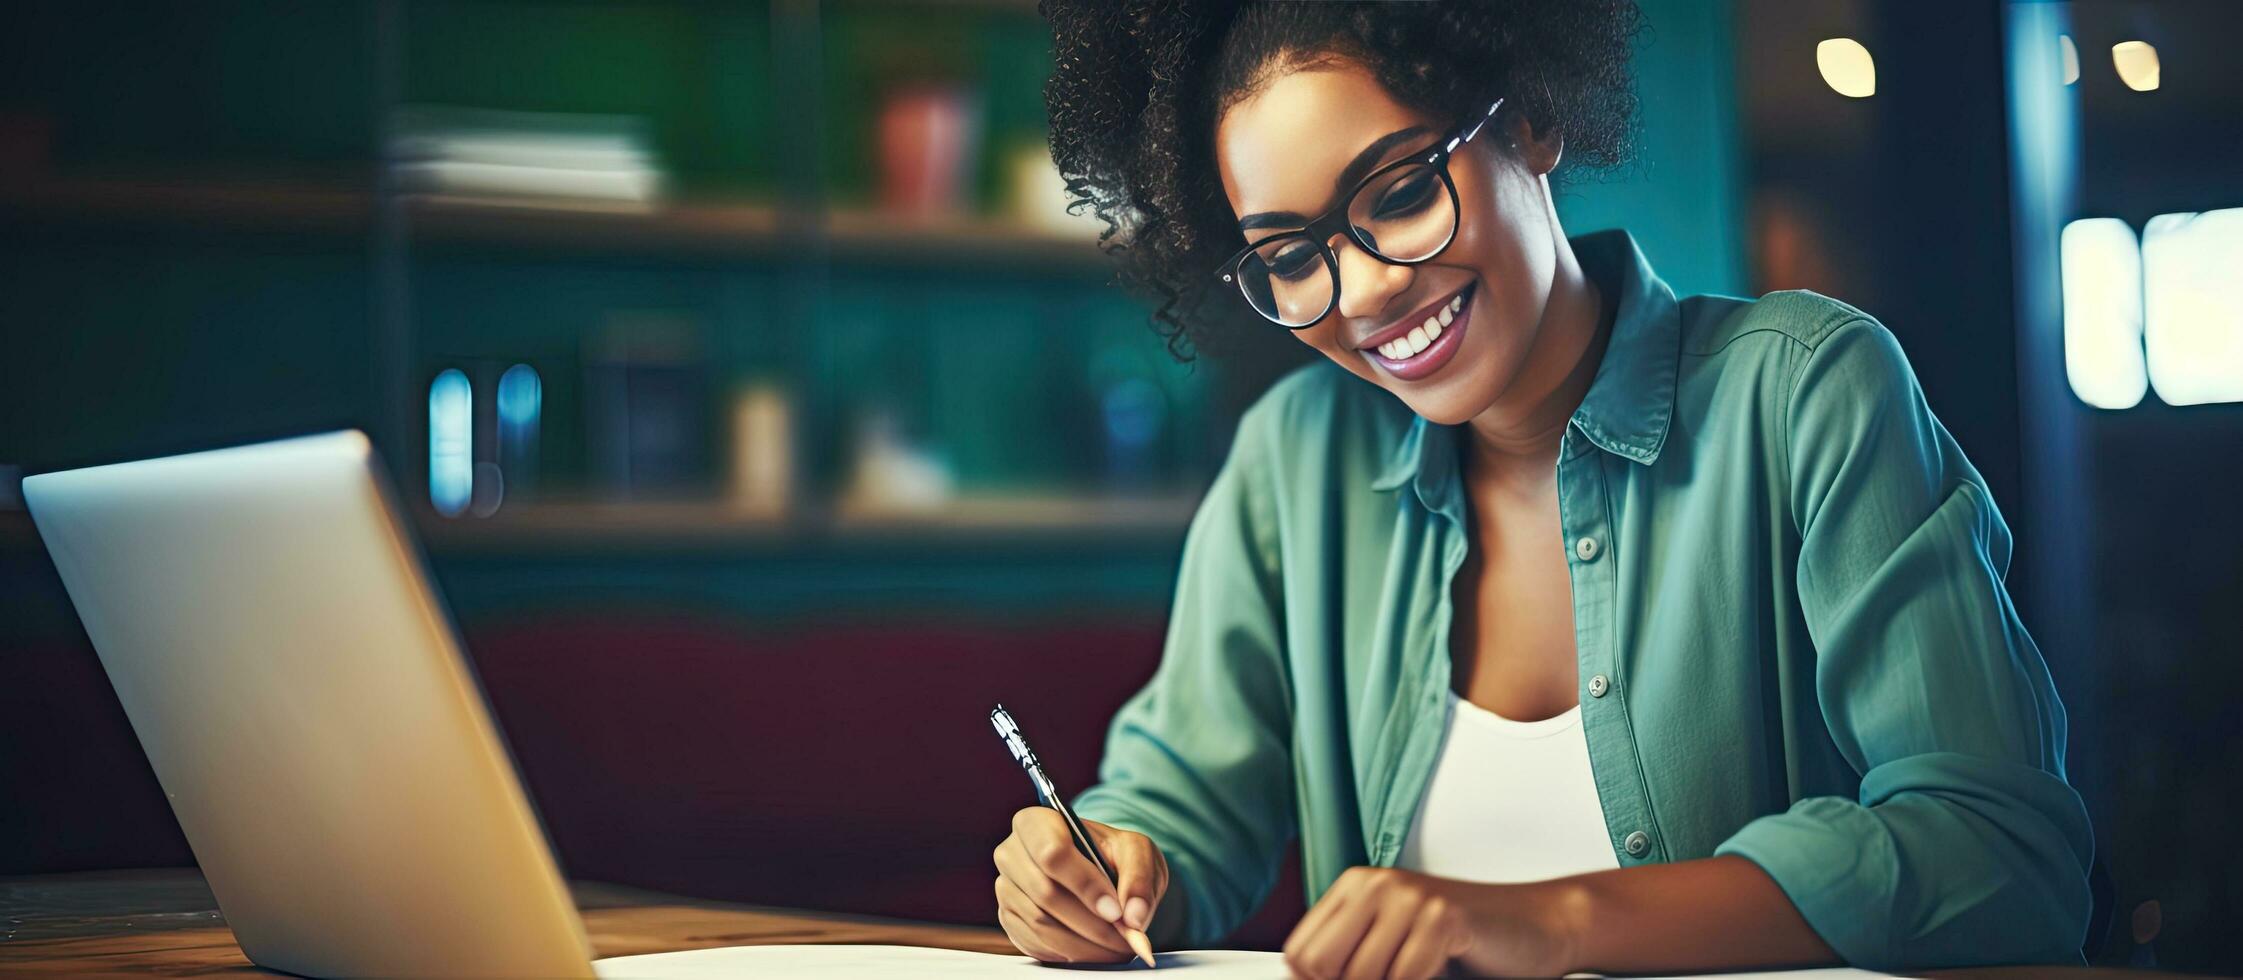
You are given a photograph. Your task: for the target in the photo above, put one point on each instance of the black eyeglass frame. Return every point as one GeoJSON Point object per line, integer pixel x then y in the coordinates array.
{"type": "Point", "coordinates": [1318, 232]}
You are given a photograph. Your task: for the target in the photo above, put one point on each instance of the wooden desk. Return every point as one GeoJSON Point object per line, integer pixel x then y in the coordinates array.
{"type": "Point", "coordinates": [165, 923]}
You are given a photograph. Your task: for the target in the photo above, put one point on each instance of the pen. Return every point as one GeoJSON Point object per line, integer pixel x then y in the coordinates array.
{"type": "Point", "coordinates": [1048, 795]}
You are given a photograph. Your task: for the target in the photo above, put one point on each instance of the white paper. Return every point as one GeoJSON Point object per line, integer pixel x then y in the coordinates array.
{"type": "Point", "coordinates": [841, 960]}
{"type": "Point", "coordinates": [861, 961]}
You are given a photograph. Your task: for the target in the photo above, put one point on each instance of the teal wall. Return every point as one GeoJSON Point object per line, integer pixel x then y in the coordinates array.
{"type": "Point", "coordinates": [1682, 198]}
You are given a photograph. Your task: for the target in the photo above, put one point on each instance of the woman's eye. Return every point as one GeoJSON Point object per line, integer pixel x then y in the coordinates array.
{"type": "Point", "coordinates": [1409, 194]}
{"type": "Point", "coordinates": [1294, 262]}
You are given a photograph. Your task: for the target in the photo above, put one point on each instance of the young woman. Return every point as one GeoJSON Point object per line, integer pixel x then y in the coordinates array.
{"type": "Point", "coordinates": [1567, 625]}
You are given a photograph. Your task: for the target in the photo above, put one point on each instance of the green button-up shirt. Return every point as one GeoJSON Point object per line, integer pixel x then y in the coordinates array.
{"type": "Point", "coordinates": [1794, 640]}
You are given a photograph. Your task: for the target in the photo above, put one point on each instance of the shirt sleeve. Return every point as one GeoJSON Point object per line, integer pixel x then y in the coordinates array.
{"type": "Point", "coordinates": [1199, 760]}
{"type": "Point", "coordinates": [1966, 845]}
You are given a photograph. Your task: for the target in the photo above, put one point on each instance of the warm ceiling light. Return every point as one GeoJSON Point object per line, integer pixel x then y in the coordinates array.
{"type": "Point", "coordinates": [2102, 271]}
{"type": "Point", "coordinates": [2136, 62]}
{"type": "Point", "coordinates": [2068, 54]}
{"type": "Point", "coordinates": [1847, 67]}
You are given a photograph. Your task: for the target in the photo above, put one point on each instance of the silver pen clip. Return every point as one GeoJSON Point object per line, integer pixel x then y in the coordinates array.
{"type": "Point", "coordinates": [1009, 730]}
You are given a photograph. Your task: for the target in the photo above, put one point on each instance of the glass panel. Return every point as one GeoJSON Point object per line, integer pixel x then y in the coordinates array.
{"type": "Point", "coordinates": [1288, 281]}
{"type": "Point", "coordinates": [1407, 213]}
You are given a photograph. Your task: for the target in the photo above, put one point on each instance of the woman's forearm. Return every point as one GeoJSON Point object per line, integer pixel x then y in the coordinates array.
{"type": "Point", "coordinates": [1708, 914]}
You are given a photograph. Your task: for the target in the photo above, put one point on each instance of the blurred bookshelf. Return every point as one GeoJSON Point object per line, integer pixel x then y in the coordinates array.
{"type": "Point", "coordinates": [794, 243]}
{"type": "Point", "coordinates": [937, 367]}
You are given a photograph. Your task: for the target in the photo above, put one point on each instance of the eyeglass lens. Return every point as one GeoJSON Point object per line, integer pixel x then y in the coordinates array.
{"type": "Point", "coordinates": [1406, 215]}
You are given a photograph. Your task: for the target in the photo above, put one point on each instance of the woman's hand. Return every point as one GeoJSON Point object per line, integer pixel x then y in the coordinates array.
{"type": "Point", "coordinates": [1402, 925]}
{"type": "Point", "coordinates": [1053, 902]}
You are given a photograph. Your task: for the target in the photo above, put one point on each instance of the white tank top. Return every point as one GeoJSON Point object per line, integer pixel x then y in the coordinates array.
{"type": "Point", "coordinates": [1509, 801]}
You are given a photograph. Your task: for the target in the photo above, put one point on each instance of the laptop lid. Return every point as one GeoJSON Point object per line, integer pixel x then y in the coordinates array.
{"type": "Point", "coordinates": [263, 614]}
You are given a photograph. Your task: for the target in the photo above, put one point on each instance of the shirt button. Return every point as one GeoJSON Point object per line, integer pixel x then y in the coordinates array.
{"type": "Point", "coordinates": [1598, 685]}
{"type": "Point", "coordinates": [1585, 548]}
{"type": "Point", "coordinates": [1637, 843]}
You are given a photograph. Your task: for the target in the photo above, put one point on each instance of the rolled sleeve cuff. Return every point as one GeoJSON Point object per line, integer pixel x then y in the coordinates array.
{"type": "Point", "coordinates": [1949, 860]}
{"type": "Point", "coordinates": [1834, 861]}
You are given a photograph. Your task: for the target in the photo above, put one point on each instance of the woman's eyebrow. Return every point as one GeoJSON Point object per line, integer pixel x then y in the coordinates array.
{"type": "Point", "coordinates": [1353, 172]}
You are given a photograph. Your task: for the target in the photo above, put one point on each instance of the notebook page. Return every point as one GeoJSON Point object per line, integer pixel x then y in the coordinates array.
{"type": "Point", "coordinates": [868, 961]}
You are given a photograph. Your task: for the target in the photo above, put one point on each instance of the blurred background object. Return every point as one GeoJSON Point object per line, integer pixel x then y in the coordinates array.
{"type": "Point", "coordinates": [762, 448]}
{"type": "Point", "coordinates": [928, 135]}
{"type": "Point", "coordinates": [646, 392]}
{"type": "Point", "coordinates": [739, 361]}
{"type": "Point", "coordinates": [524, 159]}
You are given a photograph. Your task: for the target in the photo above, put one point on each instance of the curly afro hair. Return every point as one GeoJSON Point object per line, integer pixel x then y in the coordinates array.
{"type": "Point", "coordinates": [1137, 86]}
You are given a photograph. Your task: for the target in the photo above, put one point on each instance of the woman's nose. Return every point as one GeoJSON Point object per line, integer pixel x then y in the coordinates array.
{"type": "Point", "coordinates": [1367, 284]}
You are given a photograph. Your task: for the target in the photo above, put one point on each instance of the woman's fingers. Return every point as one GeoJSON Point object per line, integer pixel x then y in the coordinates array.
{"type": "Point", "coordinates": [1382, 936]}
{"type": "Point", "coordinates": [1319, 944]}
{"type": "Point", "coordinates": [1424, 951]}
{"type": "Point", "coordinates": [1049, 945]}
{"type": "Point", "coordinates": [1041, 935]}
{"type": "Point", "coordinates": [1325, 954]}
{"type": "Point", "coordinates": [1055, 882]}
{"type": "Point", "coordinates": [1042, 896]}
{"type": "Point", "coordinates": [1043, 836]}
{"type": "Point", "coordinates": [1137, 863]}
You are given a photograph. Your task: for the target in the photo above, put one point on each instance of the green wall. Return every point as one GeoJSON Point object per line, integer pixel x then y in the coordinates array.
{"type": "Point", "coordinates": [1683, 198]}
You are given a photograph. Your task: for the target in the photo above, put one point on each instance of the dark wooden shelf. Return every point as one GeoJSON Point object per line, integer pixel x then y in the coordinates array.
{"type": "Point", "coordinates": [268, 204]}
{"type": "Point", "coordinates": [744, 228]}
{"type": "Point", "coordinates": [966, 522]}
{"type": "Point", "coordinates": [751, 228]}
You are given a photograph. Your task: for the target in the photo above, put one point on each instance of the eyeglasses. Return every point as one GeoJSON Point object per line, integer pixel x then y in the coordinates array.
{"type": "Point", "coordinates": [1403, 213]}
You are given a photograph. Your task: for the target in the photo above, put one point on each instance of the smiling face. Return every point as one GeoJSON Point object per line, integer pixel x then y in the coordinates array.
{"type": "Point", "coordinates": [1304, 137]}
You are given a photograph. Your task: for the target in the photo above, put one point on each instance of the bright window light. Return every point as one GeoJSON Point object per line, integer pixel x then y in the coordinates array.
{"type": "Point", "coordinates": [451, 442]}
{"type": "Point", "coordinates": [2136, 62]}
{"type": "Point", "coordinates": [2102, 270]}
{"type": "Point", "coordinates": [519, 401]}
{"type": "Point", "coordinates": [2193, 306]}
{"type": "Point", "coordinates": [1847, 67]}
{"type": "Point", "coordinates": [2067, 53]}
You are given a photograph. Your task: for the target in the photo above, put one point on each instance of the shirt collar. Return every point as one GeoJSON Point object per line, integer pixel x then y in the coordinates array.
{"type": "Point", "coordinates": [1631, 399]}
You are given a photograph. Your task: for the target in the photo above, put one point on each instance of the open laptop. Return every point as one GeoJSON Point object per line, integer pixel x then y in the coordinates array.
{"type": "Point", "coordinates": [297, 685]}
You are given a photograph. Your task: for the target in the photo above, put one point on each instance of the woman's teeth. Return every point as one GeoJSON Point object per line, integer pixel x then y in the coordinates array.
{"type": "Point", "coordinates": [1423, 335]}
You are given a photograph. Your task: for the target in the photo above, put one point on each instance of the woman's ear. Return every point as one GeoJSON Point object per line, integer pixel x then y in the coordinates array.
{"type": "Point", "coordinates": [1540, 151]}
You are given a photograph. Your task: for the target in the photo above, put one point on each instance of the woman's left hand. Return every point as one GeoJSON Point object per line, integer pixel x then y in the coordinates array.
{"type": "Point", "coordinates": [1402, 925]}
